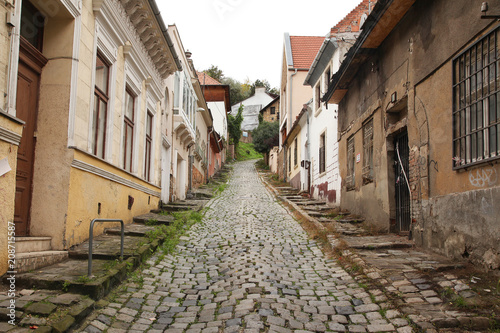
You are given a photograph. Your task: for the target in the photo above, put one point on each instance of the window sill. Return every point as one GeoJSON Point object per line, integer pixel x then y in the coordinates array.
{"type": "Point", "coordinates": [466, 167]}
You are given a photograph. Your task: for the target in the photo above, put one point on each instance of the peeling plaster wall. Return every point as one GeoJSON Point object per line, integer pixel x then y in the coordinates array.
{"type": "Point", "coordinates": [454, 212]}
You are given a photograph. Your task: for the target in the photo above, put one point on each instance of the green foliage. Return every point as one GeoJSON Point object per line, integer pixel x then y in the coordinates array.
{"type": "Point", "coordinates": [234, 126]}
{"type": "Point", "coordinates": [239, 91]}
{"type": "Point", "coordinates": [215, 73]}
{"type": "Point", "coordinates": [266, 136]}
{"type": "Point", "coordinates": [246, 151]}
{"type": "Point", "coordinates": [172, 233]}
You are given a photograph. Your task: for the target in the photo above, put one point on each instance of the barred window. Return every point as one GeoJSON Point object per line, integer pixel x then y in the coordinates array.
{"type": "Point", "coordinates": [322, 153]}
{"type": "Point", "coordinates": [350, 163]}
{"type": "Point", "coordinates": [368, 152]}
{"type": "Point", "coordinates": [476, 103]}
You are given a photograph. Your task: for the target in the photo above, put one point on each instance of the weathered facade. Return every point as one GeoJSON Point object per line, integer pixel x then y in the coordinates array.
{"type": "Point", "coordinates": [322, 170]}
{"type": "Point", "coordinates": [419, 123]}
{"type": "Point", "coordinates": [270, 112]}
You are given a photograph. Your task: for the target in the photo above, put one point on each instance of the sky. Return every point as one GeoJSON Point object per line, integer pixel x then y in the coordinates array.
{"type": "Point", "coordinates": [244, 38]}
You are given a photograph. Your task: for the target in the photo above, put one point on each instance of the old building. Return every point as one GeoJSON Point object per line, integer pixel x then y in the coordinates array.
{"type": "Point", "coordinates": [270, 112]}
{"type": "Point", "coordinates": [298, 55]}
{"type": "Point", "coordinates": [86, 81]}
{"type": "Point", "coordinates": [419, 123]}
{"type": "Point", "coordinates": [321, 172]}
{"type": "Point", "coordinates": [190, 125]}
{"type": "Point", "coordinates": [218, 101]}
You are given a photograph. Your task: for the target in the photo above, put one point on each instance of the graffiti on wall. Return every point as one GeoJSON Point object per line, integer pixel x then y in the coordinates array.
{"type": "Point", "coordinates": [483, 177]}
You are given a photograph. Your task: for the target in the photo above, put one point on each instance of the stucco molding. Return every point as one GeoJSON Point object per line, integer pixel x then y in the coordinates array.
{"type": "Point", "coordinates": [111, 176]}
{"type": "Point", "coordinates": [9, 136]}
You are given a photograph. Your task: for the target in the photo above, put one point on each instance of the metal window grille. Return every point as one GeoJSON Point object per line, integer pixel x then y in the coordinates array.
{"type": "Point", "coordinates": [476, 103]}
{"type": "Point", "coordinates": [368, 152]}
{"type": "Point", "coordinates": [350, 163]}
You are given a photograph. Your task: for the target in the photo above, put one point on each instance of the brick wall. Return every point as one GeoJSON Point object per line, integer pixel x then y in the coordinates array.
{"type": "Point", "coordinates": [352, 22]}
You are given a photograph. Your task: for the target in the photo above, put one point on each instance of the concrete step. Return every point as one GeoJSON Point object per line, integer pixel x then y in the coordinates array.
{"type": "Point", "coordinates": [134, 229]}
{"type": "Point", "coordinates": [153, 218]}
{"type": "Point", "coordinates": [30, 261]}
{"type": "Point", "coordinates": [108, 247]}
{"type": "Point", "coordinates": [33, 244]}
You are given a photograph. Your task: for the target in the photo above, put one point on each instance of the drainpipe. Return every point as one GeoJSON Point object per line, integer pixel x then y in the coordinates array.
{"type": "Point", "coordinates": [308, 154]}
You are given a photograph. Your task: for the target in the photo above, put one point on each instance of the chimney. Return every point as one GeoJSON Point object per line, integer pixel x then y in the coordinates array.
{"type": "Point", "coordinates": [260, 90]}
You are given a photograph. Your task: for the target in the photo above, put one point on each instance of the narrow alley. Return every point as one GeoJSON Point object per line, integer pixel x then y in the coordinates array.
{"type": "Point", "coordinates": [248, 266]}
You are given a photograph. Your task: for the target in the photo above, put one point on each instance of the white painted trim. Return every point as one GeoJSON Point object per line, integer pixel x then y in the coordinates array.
{"type": "Point", "coordinates": [14, 61]}
{"type": "Point", "coordinates": [113, 177]}
{"type": "Point", "coordinates": [9, 136]}
{"type": "Point", "coordinates": [74, 80]}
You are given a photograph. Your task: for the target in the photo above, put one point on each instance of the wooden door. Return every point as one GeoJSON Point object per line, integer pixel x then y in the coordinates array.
{"type": "Point", "coordinates": [28, 82]}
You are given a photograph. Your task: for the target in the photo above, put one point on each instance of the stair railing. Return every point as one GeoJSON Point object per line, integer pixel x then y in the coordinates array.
{"type": "Point", "coordinates": [91, 240]}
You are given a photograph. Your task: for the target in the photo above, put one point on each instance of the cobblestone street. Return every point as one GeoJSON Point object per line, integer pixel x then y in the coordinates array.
{"type": "Point", "coordinates": [249, 266]}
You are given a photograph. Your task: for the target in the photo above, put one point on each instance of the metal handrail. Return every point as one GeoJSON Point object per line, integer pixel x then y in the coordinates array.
{"type": "Point", "coordinates": [91, 240]}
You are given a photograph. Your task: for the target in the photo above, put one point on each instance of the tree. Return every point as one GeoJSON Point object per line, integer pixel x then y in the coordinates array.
{"type": "Point", "coordinates": [215, 73]}
{"type": "Point", "coordinates": [234, 126]}
{"type": "Point", "coordinates": [265, 137]}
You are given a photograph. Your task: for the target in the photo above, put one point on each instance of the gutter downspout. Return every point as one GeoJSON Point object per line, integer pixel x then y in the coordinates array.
{"type": "Point", "coordinates": [164, 31]}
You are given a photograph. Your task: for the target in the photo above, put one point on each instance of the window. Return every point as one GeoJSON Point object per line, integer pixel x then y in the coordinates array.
{"type": "Point", "coordinates": [149, 140]}
{"type": "Point", "coordinates": [177, 91]}
{"type": "Point", "coordinates": [289, 159]}
{"type": "Point", "coordinates": [350, 163]}
{"type": "Point", "coordinates": [100, 106]}
{"type": "Point", "coordinates": [128, 133]}
{"type": "Point", "coordinates": [476, 103]}
{"type": "Point", "coordinates": [318, 96]}
{"type": "Point", "coordinates": [295, 157]}
{"type": "Point", "coordinates": [328, 76]}
{"type": "Point", "coordinates": [32, 23]}
{"type": "Point", "coordinates": [273, 110]}
{"type": "Point", "coordinates": [368, 152]}
{"type": "Point", "coordinates": [322, 153]}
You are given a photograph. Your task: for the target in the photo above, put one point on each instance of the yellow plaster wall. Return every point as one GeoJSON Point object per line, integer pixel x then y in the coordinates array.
{"type": "Point", "coordinates": [85, 70]}
{"type": "Point", "coordinates": [7, 188]}
{"type": "Point", "coordinates": [52, 158]}
{"type": "Point", "coordinates": [87, 190]}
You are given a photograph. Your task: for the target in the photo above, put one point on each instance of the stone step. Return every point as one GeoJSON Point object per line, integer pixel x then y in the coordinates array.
{"type": "Point", "coordinates": [378, 242]}
{"type": "Point", "coordinates": [178, 206]}
{"type": "Point", "coordinates": [71, 276]}
{"type": "Point", "coordinates": [33, 244]}
{"type": "Point", "coordinates": [134, 229]}
{"type": "Point", "coordinates": [350, 219]}
{"type": "Point", "coordinates": [153, 218]}
{"type": "Point", "coordinates": [108, 247]}
{"type": "Point", "coordinates": [30, 261]}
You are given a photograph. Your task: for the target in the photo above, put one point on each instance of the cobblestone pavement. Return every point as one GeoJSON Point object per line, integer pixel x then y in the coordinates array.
{"type": "Point", "coordinates": [248, 267]}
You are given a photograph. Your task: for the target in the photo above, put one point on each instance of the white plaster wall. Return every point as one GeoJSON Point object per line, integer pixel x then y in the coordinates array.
{"type": "Point", "coordinates": [218, 110]}
{"type": "Point", "coordinates": [324, 120]}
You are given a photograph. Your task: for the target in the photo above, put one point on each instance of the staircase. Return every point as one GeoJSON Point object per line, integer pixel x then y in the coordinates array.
{"type": "Point", "coordinates": [36, 252]}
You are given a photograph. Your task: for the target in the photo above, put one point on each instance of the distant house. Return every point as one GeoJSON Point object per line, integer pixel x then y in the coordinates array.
{"type": "Point", "coordinates": [251, 109]}
{"type": "Point", "coordinates": [298, 55]}
{"type": "Point", "coordinates": [270, 112]}
{"type": "Point", "coordinates": [419, 125]}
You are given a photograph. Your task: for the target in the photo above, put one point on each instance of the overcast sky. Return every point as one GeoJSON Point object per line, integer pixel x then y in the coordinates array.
{"type": "Point", "coordinates": [244, 38]}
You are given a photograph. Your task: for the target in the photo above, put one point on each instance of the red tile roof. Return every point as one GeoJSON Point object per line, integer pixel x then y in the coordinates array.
{"type": "Point", "coordinates": [206, 80]}
{"type": "Point", "coordinates": [351, 23]}
{"type": "Point", "coordinates": [304, 50]}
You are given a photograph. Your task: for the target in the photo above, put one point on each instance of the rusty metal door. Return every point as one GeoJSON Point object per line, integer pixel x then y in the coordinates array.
{"type": "Point", "coordinates": [401, 168]}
